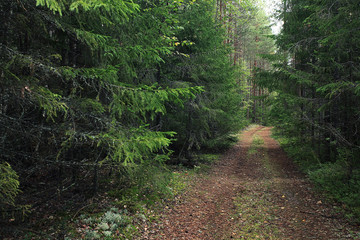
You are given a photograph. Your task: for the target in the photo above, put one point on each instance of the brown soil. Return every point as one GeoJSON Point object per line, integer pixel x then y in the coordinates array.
{"type": "Point", "coordinates": [250, 195]}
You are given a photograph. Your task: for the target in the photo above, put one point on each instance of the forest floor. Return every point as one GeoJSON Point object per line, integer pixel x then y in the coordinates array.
{"type": "Point", "coordinates": [253, 192]}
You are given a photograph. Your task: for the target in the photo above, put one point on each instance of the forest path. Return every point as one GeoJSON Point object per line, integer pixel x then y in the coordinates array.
{"type": "Point", "coordinates": [254, 192]}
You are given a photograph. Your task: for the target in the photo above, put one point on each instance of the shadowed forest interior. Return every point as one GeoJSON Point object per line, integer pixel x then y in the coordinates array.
{"type": "Point", "coordinates": [106, 106]}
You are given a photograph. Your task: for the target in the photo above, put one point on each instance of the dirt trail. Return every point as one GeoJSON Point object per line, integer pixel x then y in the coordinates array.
{"type": "Point", "coordinates": [254, 192]}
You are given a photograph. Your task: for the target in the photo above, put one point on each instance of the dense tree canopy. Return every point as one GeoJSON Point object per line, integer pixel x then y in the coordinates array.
{"type": "Point", "coordinates": [104, 94]}
{"type": "Point", "coordinates": [97, 88]}
{"type": "Point", "coordinates": [315, 85]}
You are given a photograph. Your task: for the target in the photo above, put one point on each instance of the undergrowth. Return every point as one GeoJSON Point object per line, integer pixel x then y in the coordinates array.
{"type": "Point", "coordinates": [127, 202]}
{"type": "Point", "coordinates": [338, 180]}
{"type": "Point", "coordinates": [130, 207]}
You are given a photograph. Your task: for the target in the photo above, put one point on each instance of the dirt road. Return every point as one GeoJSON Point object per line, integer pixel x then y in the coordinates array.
{"type": "Point", "coordinates": [254, 192]}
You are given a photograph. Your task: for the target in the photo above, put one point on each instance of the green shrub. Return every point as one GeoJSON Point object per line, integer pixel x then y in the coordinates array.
{"type": "Point", "coordinates": [340, 180]}
{"type": "Point", "coordinates": [335, 179]}
{"type": "Point", "coordinates": [301, 153]}
{"type": "Point", "coordinates": [331, 177]}
{"type": "Point", "coordinates": [221, 143]}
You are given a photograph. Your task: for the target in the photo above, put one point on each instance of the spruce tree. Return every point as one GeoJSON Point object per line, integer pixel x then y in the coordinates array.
{"type": "Point", "coordinates": [77, 89]}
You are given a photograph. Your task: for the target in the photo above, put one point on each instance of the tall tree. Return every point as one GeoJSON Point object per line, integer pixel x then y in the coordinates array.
{"type": "Point", "coordinates": [209, 120]}
{"type": "Point", "coordinates": [77, 89]}
{"type": "Point", "coordinates": [88, 87]}
{"type": "Point", "coordinates": [315, 85]}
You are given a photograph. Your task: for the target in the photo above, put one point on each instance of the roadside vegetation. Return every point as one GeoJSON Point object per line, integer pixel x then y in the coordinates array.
{"type": "Point", "coordinates": [108, 108]}
{"type": "Point", "coordinates": [101, 100]}
{"type": "Point", "coordinates": [313, 94]}
{"type": "Point", "coordinates": [331, 178]}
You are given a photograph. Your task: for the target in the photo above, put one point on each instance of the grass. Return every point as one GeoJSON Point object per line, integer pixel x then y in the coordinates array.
{"type": "Point", "coordinates": [257, 148]}
{"type": "Point", "coordinates": [255, 211]}
{"type": "Point", "coordinates": [333, 179]}
{"type": "Point", "coordinates": [256, 144]}
{"type": "Point", "coordinates": [128, 209]}
{"type": "Point", "coordinates": [204, 162]}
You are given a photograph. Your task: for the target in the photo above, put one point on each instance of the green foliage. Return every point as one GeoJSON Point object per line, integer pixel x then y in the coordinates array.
{"type": "Point", "coordinates": [257, 143]}
{"type": "Point", "coordinates": [177, 183]}
{"type": "Point", "coordinates": [91, 88]}
{"type": "Point", "coordinates": [114, 9]}
{"type": "Point", "coordinates": [107, 226]}
{"type": "Point", "coordinates": [220, 143]}
{"type": "Point", "coordinates": [9, 189]}
{"type": "Point", "coordinates": [314, 99]}
{"type": "Point", "coordinates": [9, 185]}
{"type": "Point", "coordinates": [147, 183]}
{"type": "Point", "coordinates": [50, 102]}
{"type": "Point", "coordinates": [256, 210]}
{"type": "Point", "coordinates": [56, 6]}
{"type": "Point", "coordinates": [91, 105]}
{"type": "Point", "coordinates": [209, 120]}
{"type": "Point", "coordinates": [134, 145]}
{"type": "Point", "coordinates": [81, 94]}
{"type": "Point", "coordinates": [339, 180]}
{"type": "Point", "coordinates": [307, 160]}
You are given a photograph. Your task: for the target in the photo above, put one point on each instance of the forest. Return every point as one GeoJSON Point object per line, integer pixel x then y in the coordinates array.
{"type": "Point", "coordinates": [105, 103]}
